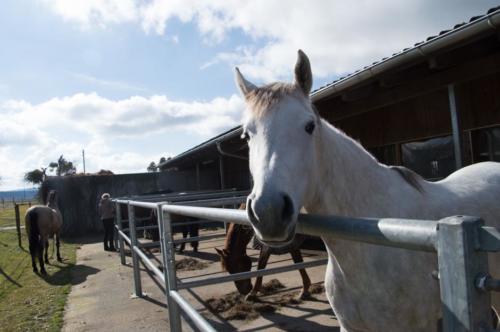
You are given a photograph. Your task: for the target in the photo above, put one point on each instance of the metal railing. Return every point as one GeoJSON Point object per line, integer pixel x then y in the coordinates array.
{"type": "Point", "coordinates": [462, 244]}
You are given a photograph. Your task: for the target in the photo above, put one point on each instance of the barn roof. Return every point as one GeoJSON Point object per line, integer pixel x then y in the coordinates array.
{"type": "Point", "coordinates": [210, 148]}
{"type": "Point", "coordinates": [462, 33]}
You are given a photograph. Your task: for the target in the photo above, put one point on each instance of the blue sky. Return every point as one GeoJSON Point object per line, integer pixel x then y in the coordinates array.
{"type": "Point", "coordinates": [130, 81]}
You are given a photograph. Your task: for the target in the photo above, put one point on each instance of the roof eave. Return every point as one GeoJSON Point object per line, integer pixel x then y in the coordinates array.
{"type": "Point", "coordinates": [467, 32]}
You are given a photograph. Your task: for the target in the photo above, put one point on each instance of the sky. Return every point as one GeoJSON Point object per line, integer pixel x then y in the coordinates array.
{"type": "Point", "coordinates": [131, 81]}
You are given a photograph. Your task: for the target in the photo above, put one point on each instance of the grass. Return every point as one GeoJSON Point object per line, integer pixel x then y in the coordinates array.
{"type": "Point", "coordinates": [29, 302]}
{"type": "Point", "coordinates": [8, 216]}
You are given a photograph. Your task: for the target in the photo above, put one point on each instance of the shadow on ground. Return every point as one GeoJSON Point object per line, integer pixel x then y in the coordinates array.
{"type": "Point", "coordinates": [78, 274]}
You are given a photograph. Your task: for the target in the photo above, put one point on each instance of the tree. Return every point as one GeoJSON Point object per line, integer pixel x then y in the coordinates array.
{"type": "Point", "coordinates": [36, 176]}
{"type": "Point", "coordinates": [62, 167]}
{"type": "Point", "coordinates": [162, 160]}
{"type": "Point", "coordinates": [152, 167]}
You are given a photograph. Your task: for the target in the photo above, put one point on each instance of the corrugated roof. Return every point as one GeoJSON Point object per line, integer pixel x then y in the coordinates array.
{"type": "Point", "coordinates": [465, 30]}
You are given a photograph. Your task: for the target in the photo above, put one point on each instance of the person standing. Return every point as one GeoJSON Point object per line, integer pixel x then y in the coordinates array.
{"type": "Point", "coordinates": [107, 213]}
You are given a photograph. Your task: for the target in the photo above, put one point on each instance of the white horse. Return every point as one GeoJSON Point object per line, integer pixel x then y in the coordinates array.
{"type": "Point", "coordinates": [298, 159]}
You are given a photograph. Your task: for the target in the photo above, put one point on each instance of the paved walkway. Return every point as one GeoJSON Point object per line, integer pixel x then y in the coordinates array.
{"type": "Point", "coordinates": [100, 299]}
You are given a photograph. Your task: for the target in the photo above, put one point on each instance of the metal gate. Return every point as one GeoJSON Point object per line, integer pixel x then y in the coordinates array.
{"type": "Point", "coordinates": [461, 243]}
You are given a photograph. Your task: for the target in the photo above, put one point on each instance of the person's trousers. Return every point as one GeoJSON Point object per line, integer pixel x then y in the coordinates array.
{"type": "Point", "coordinates": [108, 233]}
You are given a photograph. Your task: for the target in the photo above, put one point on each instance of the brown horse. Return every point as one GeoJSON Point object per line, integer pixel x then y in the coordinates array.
{"type": "Point", "coordinates": [234, 258]}
{"type": "Point", "coordinates": [42, 223]}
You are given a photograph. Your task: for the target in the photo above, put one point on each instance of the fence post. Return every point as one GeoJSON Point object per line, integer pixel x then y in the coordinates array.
{"type": "Point", "coordinates": [465, 308]}
{"type": "Point", "coordinates": [18, 225]}
{"type": "Point", "coordinates": [168, 255]}
{"type": "Point", "coordinates": [118, 221]}
{"type": "Point", "coordinates": [135, 258]}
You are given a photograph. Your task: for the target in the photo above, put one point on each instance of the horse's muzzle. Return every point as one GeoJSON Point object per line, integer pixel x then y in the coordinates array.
{"type": "Point", "coordinates": [272, 218]}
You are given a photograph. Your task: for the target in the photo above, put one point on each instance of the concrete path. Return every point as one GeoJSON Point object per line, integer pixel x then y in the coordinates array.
{"type": "Point", "coordinates": [101, 298]}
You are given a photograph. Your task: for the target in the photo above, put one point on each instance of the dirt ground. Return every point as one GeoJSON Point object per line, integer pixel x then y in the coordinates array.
{"type": "Point", "coordinates": [104, 302]}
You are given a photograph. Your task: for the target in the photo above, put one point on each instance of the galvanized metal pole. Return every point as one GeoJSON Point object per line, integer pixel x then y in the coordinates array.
{"type": "Point", "coordinates": [465, 308]}
{"type": "Point", "coordinates": [168, 254]}
{"type": "Point", "coordinates": [455, 126]}
{"type": "Point", "coordinates": [118, 220]}
{"type": "Point", "coordinates": [135, 258]}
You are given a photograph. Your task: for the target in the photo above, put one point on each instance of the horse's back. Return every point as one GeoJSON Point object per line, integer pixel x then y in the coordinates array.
{"type": "Point", "coordinates": [473, 190]}
{"type": "Point", "coordinates": [49, 220]}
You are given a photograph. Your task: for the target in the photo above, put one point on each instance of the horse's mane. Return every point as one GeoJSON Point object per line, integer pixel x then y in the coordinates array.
{"type": "Point", "coordinates": [238, 236]}
{"type": "Point", "coordinates": [263, 98]}
{"type": "Point", "coordinates": [409, 176]}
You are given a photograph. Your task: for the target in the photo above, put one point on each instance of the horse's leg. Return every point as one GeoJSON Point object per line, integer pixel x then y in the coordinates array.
{"type": "Point", "coordinates": [59, 259]}
{"type": "Point", "coordinates": [33, 254]}
{"type": "Point", "coordinates": [40, 256]}
{"type": "Point", "coordinates": [193, 232]}
{"type": "Point", "coordinates": [263, 258]}
{"type": "Point", "coordinates": [306, 282]}
{"type": "Point", "coordinates": [47, 251]}
{"type": "Point", "coordinates": [185, 232]}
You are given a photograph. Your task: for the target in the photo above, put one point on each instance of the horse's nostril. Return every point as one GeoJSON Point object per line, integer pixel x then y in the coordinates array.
{"type": "Point", "coordinates": [287, 208]}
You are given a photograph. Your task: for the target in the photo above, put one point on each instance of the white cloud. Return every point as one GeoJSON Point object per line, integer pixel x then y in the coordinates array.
{"type": "Point", "coordinates": [111, 131]}
{"type": "Point", "coordinates": [117, 85]}
{"type": "Point", "coordinates": [339, 36]}
{"type": "Point", "coordinates": [94, 12]}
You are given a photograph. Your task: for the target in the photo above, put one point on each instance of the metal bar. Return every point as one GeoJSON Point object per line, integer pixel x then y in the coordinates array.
{"type": "Point", "coordinates": [224, 153]}
{"type": "Point", "coordinates": [402, 233]}
{"type": "Point", "coordinates": [118, 220]}
{"type": "Point", "coordinates": [200, 238]}
{"type": "Point", "coordinates": [465, 308]}
{"type": "Point", "coordinates": [163, 244]}
{"type": "Point", "coordinates": [215, 201]}
{"type": "Point", "coordinates": [142, 228]}
{"type": "Point", "coordinates": [455, 125]}
{"type": "Point", "coordinates": [169, 268]}
{"type": "Point", "coordinates": [124, 237]}
{"type": "Point", "coordinates": [135, 257]}
{"type": "Point", "coordinates": [146, 205]}
{"type": "Point", "coordinates": [180, 197]}
{"type": "Point", "coordinates": [149, 264]}
{"type": "Point", "coordinates": [197, 319]}
{"type": "Point", "coordinates": [149, 244]}
{"type": "Point", "coordinates": [250, 274]}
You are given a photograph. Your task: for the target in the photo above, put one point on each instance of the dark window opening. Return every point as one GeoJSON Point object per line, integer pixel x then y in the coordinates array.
{"type": "Point", "coordinates": [433, 159]}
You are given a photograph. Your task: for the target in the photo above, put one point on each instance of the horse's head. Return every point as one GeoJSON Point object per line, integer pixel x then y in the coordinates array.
{"type": "Point", "coordinates": [235, 264]}
{"type": "Point", "coordinates": [52, 198]}
{"type": "Point", "coordinates": [280, 127]}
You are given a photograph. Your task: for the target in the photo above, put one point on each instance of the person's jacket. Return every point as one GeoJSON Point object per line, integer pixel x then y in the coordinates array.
{"type": "Point", "coordinates": [106, 209]}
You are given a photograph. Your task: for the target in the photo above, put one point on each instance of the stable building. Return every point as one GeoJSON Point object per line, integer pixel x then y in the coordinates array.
{"type": "Point", "coordinates": [433, 107]}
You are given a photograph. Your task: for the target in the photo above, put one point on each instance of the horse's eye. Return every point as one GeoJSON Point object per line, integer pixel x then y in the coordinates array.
{"type": "Point", "coordinates": [309, 127]}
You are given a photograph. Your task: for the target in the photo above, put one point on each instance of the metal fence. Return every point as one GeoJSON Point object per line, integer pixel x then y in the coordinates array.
{"type": "Point", "coordinates": [462, 244]}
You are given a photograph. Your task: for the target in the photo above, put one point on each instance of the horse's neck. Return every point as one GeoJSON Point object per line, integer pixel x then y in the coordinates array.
{"type": "Point", "coordinates": [349, 181]}
{"type": "Point", "coordinates": [237, 239]}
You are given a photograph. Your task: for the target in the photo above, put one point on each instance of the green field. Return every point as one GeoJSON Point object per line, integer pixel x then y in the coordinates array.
{"type": "Point", "coordinates": [29, 302]}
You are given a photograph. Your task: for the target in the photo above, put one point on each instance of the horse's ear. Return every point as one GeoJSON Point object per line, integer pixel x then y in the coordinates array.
{"type": "Point", "coordinates": [303, 73]}
{"type": "Point", "coordinates": [245, 86]}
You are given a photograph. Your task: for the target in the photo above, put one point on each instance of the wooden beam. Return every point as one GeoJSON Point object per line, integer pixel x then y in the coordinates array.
{"type": "Point", "coordinates": [432, 82]}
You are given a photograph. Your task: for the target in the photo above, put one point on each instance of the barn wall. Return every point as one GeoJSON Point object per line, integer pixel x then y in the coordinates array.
{"type": "Point", "coordinates": [78, 196]}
